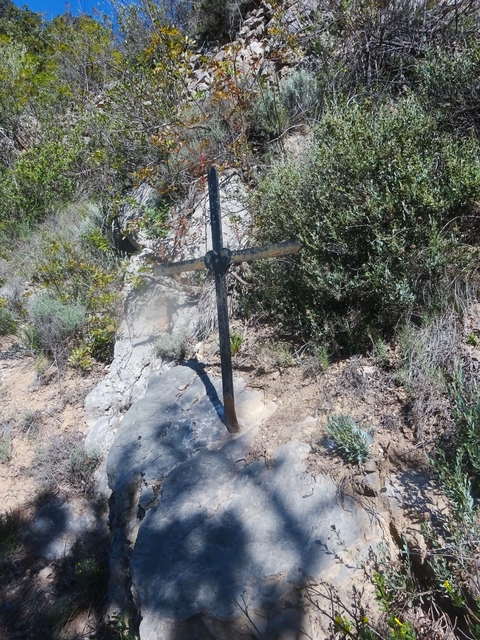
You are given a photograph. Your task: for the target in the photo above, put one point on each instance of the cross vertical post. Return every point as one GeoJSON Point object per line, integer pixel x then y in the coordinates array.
{"type": "Point", "coordinates": [218, 261]}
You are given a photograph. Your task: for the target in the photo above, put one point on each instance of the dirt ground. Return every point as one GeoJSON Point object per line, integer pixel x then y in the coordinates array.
{"type": "Point", "coordinates": [39, 408]}
{"type": "Point", "coordinates": [41, 418]}
{"type": "Point", "coordinates": [36, 408]}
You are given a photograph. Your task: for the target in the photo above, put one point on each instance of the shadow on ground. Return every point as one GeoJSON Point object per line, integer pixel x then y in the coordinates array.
{"type": "Point", "coordinates": [44, 594]}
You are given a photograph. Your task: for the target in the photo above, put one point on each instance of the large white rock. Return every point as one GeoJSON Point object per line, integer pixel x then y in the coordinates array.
{"type": "Point", "coordinates": [218, 548]}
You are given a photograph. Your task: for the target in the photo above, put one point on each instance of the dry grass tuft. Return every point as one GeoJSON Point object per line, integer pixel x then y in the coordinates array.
{"type": "Point", "coordinates": [428, 354]}
{"type": "Point", "coordinates": [65, 464]}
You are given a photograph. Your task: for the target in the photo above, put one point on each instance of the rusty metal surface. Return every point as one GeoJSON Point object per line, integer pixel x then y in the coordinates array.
{"type": "Point", "coordinates": [267, 251]}
{"type": "Point", "coordinates": [218, 261]}
{"type": "Point", "coordinates": [276, 250]}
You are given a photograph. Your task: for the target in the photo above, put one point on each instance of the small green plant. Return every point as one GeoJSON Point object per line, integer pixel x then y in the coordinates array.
{"type": "Point", "coordinates": [236, 341]}
{"type": "Point", "coordinates": [41, 364]}
{"type": "Point", "coordinates": [323, 358]}
{"type": "Point", "coordinates": [9, 536]}
{"type": "Point", "coordinates": [349, 438]}
{"type": "Point", "coordinates": [401, 630]}
{"type": "Point", "coordinates": [381, 351]}
{"type": "Point", "coordinates": [5, 449]}
{"type": "Point", "coordinates": [29, 338]}
{"type": "Point", "coordinates": [80, 466]}
{"type": "Point", "coordinates": [472, 340]}
{"type": "Point", "coordinates": [395, 589]}
{"type": "Point", "coordinates": [81, 358]}
{"type": "Point", "coordinates": [172, 348]}
{"type": "Point", "coordinates": [91, 576]}
{"type": "Point", "coordinates": [8, 321]}
{"type": "Point", "coordinates": [65, 461]}
{"type": "Point", "coordinates": [292, 101]}
{"type": "Point", "coordinates": [395, 586]}
{"type": "Point", "coordinates": [119, 624]}
{"type": "Point", "coordinates": [316, 361]}
{"type": "Point", "coordinates": [279, 354]}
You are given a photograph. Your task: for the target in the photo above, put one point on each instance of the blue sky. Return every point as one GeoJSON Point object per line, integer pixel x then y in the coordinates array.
{"type": "Point", "coordinates": [52, 8]}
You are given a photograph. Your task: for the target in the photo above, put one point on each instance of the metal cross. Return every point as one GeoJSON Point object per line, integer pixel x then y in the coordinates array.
{"type": "Point", "coordinates": [218, 262]}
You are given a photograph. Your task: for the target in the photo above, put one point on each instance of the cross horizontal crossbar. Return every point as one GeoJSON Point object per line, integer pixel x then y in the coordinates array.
{"type": "Point", "coordinates": [242, 255]}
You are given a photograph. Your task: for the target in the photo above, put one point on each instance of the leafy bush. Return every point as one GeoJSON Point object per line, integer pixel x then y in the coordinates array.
{"type": "Point", "coordinates": [349, 438]}
{"type": "Point", "coordinates": [70, 258]}
{"type": "Point", "coordinates": [41, 179]}
{"type": "Point", "coordinates": [8, 320]}
{"type": "Point", "coordinates": [448, 81]}
{"type": "Point", "coordinates": [380, 204]}
{"type": "Point", "coordinates": [55, 321]}
{"type": "Point", "coordinates": [368, 44]}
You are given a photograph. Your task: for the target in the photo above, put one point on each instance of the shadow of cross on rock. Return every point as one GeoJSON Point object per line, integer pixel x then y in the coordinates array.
{"type": "Point", "coordinates": [215, 547]}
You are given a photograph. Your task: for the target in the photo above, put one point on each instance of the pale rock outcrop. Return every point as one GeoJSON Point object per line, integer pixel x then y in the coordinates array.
{"type": "Point", "coordinates": [217, 547]}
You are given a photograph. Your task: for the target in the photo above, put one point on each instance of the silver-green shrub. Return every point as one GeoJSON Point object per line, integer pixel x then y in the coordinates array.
{"type": "Point", "coordinates": [171, 347]}
{"type": "Point", "coordinates": [290, 102]}
{"type": "Point", "coordinates": [349, 438]}
{"type": "Point", "coordinates": [54, 320]}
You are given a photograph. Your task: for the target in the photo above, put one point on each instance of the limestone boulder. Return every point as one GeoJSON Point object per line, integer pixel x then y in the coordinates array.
{"type": "Point", "coordinates": [218, 547]}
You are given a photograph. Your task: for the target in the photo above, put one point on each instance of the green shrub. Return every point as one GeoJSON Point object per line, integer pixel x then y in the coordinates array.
{"type": "Point", "coordinates": [236, 341]}
{"type": "Point", "coordinates": [448, 81]}
{"type": "Point", "coordinates": [277, 353]}
{"type": "Point", "coordinates": [66, 461]}
{"type": "Point", "coordinates": [316, 361]}
{"type": "Point", "coordinates": [54, 320]}
{"type": "Point", "coordinates": [30, 338]}
{"type": "Point", "coordinates": [80, 467]}
{"type": "Point", "coordinates": [380, 205]}
{"type": "Point", "coordinates": [293, 100]}
{"type": "Point", "coordinates": [172, 347]}
{"type": "Point", "coordinates": [40, 180]}
{"type": "Point", "coordinates": [70, 259]}
{"type": "Point", "coordinates": [458, 464]}
{"type": "Point", "coordinates": [349, 438]}
{"type": "Point", "coordinates": [8, 321]}
{"type": "Point", "coordinates": [365, 45]}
